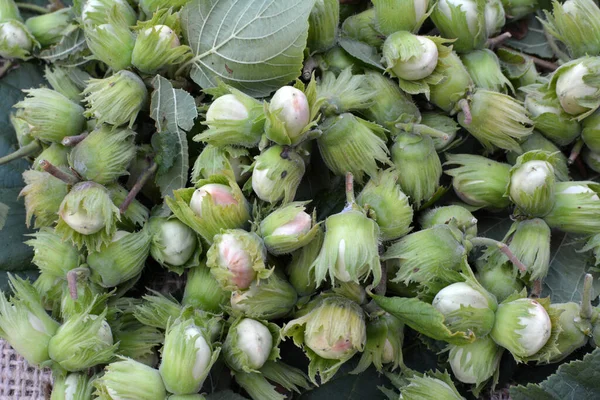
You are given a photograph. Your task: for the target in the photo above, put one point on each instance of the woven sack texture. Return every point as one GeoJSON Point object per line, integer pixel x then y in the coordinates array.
{"type": "Point", "coordinates": [19, 380]}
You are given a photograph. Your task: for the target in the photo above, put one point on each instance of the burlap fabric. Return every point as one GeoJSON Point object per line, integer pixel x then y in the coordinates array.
{"type": "Point", "coordinates": [18, 379]}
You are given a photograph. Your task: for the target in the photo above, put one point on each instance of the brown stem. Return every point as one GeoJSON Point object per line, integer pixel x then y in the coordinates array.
{"type": "Point", "coordinates": [74, 140]}
{"type": "Point", "coordinates": [58, 173]}
{"type": "Point", "coordinates": [536, 291]}
{"type": "Point", "coordinates": [72, 283]}
{"type": "Point", "coordinates": [549, 65]}
{"type": "Point", "coordinates": [481, 241]}
{"type": "Point", "coordinates": [309, 66]}
{"type": "Point", "coordinates": [381, 287]}
{"type": "Point", "coordinates": [24, 151]}
{"type": "Point", "coordinates": [498, 40]}
{"type": "Point", "coordinates": [575, 151]}
{"type": "Point", "coordinates": [540, 62]}
{"type": "Point", "coordinates": [466, 109]}
{"type": "Point", "coordinates": [350, 189]}
{"type": "Point", "coordinates": [139, 184]}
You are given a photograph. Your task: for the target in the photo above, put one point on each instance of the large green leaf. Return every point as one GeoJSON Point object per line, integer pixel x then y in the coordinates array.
{"type": "Point", "coordinates": [576, 380]}
{"type": "Point", "coordinates": [68, 51]}
{"type": "Point", "coordinates": [14, 254]}
{"type": "Point", "coordinates": [362, 51]}
{"type": "Point", "coordinates": [174, 111]}
{"type": "Point", "coordinates": [225, 395]}
{"type": "Point", "coordinates": [350, 387]}
{"type": "Point", "coordinates": [567, 269]}
{"type": "Point", "coordinates": [534, 42]}
{"type": "Point", "coordinates": [254, 45]}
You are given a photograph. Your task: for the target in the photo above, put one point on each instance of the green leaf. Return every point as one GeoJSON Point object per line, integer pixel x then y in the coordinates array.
{"type": "Point", "coordinates": [349, 387]}
{"type": "Point", "coordinates": [174, 111]}
{"type": "Point", "coordinates": [15, 255]}
{"type": "Point", "coordinates": [567, 270]}
{"type": "Point", "coordinates": [70, 48]}
{"type": "Point", "coordinates": [4, 209]}
{"type": "Point", "coordinates": [363, 52]}
{"type": "Point", "coordinates": [534, 42]}
{"type": "Point", "coordinates": [256, 46]}
{"type": "Point", "coordinates": [225, 395]}
{"type": "Point", "coordinates": [576, 380]}
{"type": "Point", "coordinates": [423, 318]}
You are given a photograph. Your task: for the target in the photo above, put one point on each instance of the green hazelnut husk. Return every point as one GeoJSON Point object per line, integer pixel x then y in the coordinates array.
{"type": "Point", "coordinates": [455, 215]}
{"type": "Point", "coordinates": [51, 254]}
{"type": "Point", "coordinates": [82, 341]}
{"type": "Point", "coordinates": [496, 120]}
{"type": "Point", "coordinates": [392, 106]}
{"type": "Point", "coordinates": [271, 298]}
{"type": "Point", "coordinates": [576, 23]}
{"type": "Point", "coordinates": [484, 67]}
{"type": "Point", "coordinates": [277, 173]}
{"type": "Point", "coordinates": [203, 291]}
{"type": "Point", "coordinates": [51, 116]}
{"type": "Point", "coordinates": [548, 116]}
{"type": "Point", "coordinates": [420, 166]}
{"type": "Point", "coordinates": [287, 229]}
{"type": "Point", "coordinates": [479, 181]}
{"type": "Point", "coordinates": [116, 100]}
{"type": "Point", "coordinates": [121, 260]}
{"type": "Point", "coordinates": [387, 204]}
{"type": "Point", "coordinates": [50, 28]}
{"type": "Point", "coordinates": [323, 24]}
{"type": "Point", "coordinates": [327, 342]}
{"type": "Point", "coordinates": [431, 254]}
{"type": "Point", "coordinates": [362, 27]}
{"type": "Point", "coordinates": [455, 85]}
{"type": "Point", "coordinates": [130, 379]}
{"type": "Point", "coordinates": [351, 144]}
{"type": "Point", "coordinates": [104, 155]}
{"type": "Point", "coordinates": [575, 208]}
{"type": "Point", "coordinates": [157, 44]}
{"type": "Point", "coordinates": [217, 203]}
{"type": "Point", "coordinates": [87, 216]}
{"type": "Point", "coordinates": [43, 195]}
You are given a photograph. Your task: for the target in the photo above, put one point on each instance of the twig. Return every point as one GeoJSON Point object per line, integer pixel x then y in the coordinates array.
{"type": "Point", "coordinates": [575, 151]}
{"type": "Point", "coordinates": [309, 66]}
{"type": "Point", "coordinates": [350, 200]}
{"type": "Point", "coordinates": [58, 173]}
{"type": "Point", "coordinates": [74, 140]}
{"type": "Point", "coordinates": [24, 151]}
{"type": "Point", "coordinates": [481, 241]}
{"type": "Point", "coordinates": [466, 109]}
{"type": "Point", "coordinates": [548, 65]}
{"type": "Point", "coordinates": [498, 40]}
{"type": "Point", "coordinates": [586, 299]}
{"type": "Point", "coordinates": [139, 184]}
{"type": "Point", "coordinates": [33, 7]}
{"type": "Point", "coordinates": [72, 283]}
{"type": "Point", "coordinates": [536, 291]}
